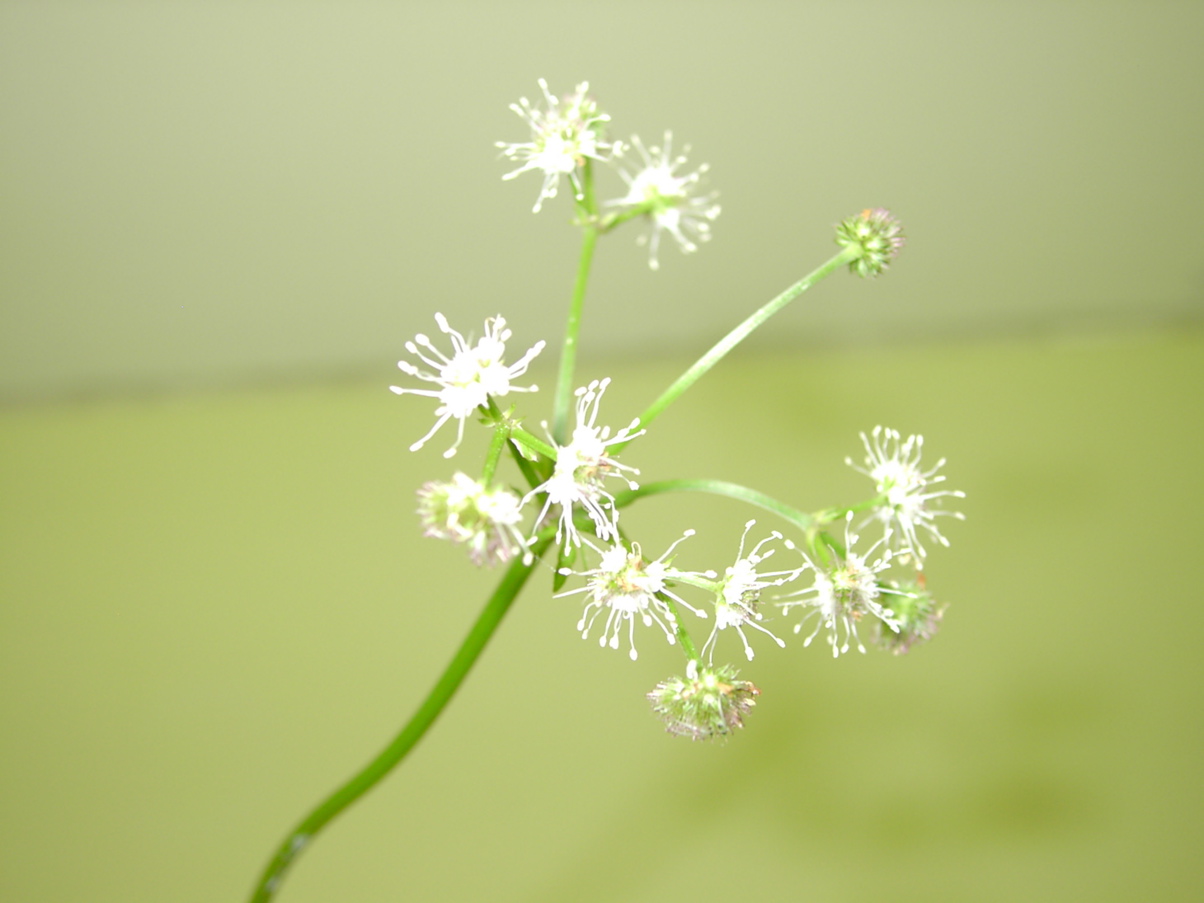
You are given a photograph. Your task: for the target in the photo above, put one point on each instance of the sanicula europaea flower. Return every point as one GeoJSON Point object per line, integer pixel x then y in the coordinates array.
{"type": "Point", "coordinates": [580, 468]}
{"type": "Point", "coordinates": [488, 521]}
{"type": "Point", "coordinates": [563, 136]}
{"type": "Point", "coordinates": [916, 613]}
{"type": "Point", "coordinates": [738, 594]}
{"type": "Point", "coordinates": [845, 591]}
{"type": "Point", "coordinates": [571, 475]}
{"type": "Point", "coordinates": [708, 702]}
{"type": "Point", "coordinates": [878, 237]}
{"type": "Point", "coordinates": [893, 463]}
{"type": "Point", "coordinates": [671, 201]}
{"type": "Point", "coordinates": [469, 378]}
{"type": "Point", "coordinates": [629, 588]}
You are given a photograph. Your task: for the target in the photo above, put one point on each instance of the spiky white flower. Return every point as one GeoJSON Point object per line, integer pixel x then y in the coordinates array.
{"type": "Point", "coordinates": [670, 200]}
{"type": "Point", "coordinates": [738, 594]}
{"type": "Point", "coordinates": [580, 468]}
{"type": "Point", "coordinates": [893, 463]}
{"type": "Point", "coordinates": [627, 587]}
{"type": "Point", "coordinates": [469, 378]}
{"type": "Point", "coordinates": [562, 137]}
{"type": "Point", "coordinates": [464, 510]}
{"type": "Point", "coordinates": [845, 592]}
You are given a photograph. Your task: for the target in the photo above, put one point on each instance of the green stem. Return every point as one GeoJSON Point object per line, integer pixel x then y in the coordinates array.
{"type": "Point", "coordinates": [501, 432]}
{"type": "Point", "coordinates": [568, 353]}
{"type": "Point", "coordinates": [470, 649]}
{"type": "Point", "coordinates": [533, 442]}
{"type": "Point", "coordinates": [683, 638]}
{"type": "Point", "coordinates": [800, 519]}
{"type": "Point", "coordinates": [737, 335]}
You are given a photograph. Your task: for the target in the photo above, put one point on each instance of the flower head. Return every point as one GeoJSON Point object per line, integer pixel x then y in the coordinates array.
{"type": "Point", "coordinates": [469, 378]}
{"type": "Point", "coordinates": [878, 237]}
{"type": "Point", "coordinates": [669, 200]}
{"type": "Point", "coordinates": [918, 616]}
{"type": "Point", "coordinates": [465, 511]}
{"type": "Point", "coordinates": [893, 463]}
{"type": "Point", "coordinates": [739, 592]}
{"type": "Point", "coordinates": [580, 468]}
{"type": "Point", "coordinates": [845, 592]}
{"type": "Point", "coordinates": [562, 137]}
{"type": "Point", "coordinates": [627, 587]}
{"type": "Point", "coordinates": [708, 702]}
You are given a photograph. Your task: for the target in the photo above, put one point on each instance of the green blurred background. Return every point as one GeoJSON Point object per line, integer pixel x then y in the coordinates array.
{"type": "Point", "coordinates": [221, 223]}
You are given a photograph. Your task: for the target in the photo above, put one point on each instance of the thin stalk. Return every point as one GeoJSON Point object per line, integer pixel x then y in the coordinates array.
{"type": "Point", "coordinates": [445, 687]}
{"type": "Point", "coordinates": [737, 335]}
{"type": "Point", "coordinates": [533, 442]}
{"type": "Point", "coordinates": [501, 432]}
{"type": "Point", "coordinates": [568, 352]}
{"type": "Point", "coordinates": [719, 487]}
{"type": "Point", "coordinates": [683, 638]}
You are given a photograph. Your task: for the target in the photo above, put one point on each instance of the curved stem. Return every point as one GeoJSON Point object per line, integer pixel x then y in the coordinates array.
{"type": "Point", "coordinates": [487, 622]}
{"type": "Point", "coordinates": [737, 335]}
{"type": "Point", "coordinates": [800, 519]}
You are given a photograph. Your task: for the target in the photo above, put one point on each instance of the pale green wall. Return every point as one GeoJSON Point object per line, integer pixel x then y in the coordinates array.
{"type": "Point", "coordinates": [210, 193]}
{"type": "Point", "coordinates": [215, 607]}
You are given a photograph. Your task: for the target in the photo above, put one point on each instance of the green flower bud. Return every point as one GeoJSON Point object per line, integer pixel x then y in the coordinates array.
{"type": "Point", "coordinates": [877, 236]}
{"type": "Point", "coordinates": [915, 612]}
{"type": "Point", "coordinates": [465, 511]}
{"type": "Point", "coordinates": [706, 703]}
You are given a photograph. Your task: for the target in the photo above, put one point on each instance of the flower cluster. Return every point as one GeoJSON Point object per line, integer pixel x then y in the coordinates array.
{"type": "Point", "coordinates": [567, 136]}
{"type": "Point", "coordinates": [877, 237]}
{"type": "Point", "coordinates": [580, 468]}
{"type": "Point", "coordinates": [563, 137]}
{"type": "Point", "coordinates": [464, 510]}
{"type": "Point", "coordinates": [845, 590]}
{"type": "Point", "coordinates": [569, 481]}
{"type": "Point", "coordinates": [670, 200]}
{"type": "Point", "coordinates": [626, 587]}
{"type": "Point", "coordinates": [707, 703]}
{"type": "Point", "coordinates": [572, 476]}
{"type": "Point", "coordinates": [739, 593]}
{"type": "Point", "coordinates": [893, 463]}
{"type": "Point", "coordinates": [469, 378]}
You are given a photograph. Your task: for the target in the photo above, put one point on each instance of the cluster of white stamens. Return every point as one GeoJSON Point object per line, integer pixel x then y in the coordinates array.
{"type": "Point", "coordinates": [845, 592]}
{"type": "Point", "coordinates": [627, 587]}
{"type": "Point", "coordinates": [670, 200]}
{"type": "Point", "coordinates": [562, 137]}
{"type": "Point", "coordinates": [893, 463]}
{"type": "Point", "coordinates": [469, 378]}
{"type": "Point", "coordinates": [740, 592]}
{"type": "Point", "coordinates": [580, 468]}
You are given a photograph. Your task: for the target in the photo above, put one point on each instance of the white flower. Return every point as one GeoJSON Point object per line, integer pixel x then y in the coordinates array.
{"type": "Point", "coordinates": [627, 587]}
{"type": "Point", "coordinates": [845, 592]}
{"type": "Point", "coordinates": [580, 469]}
{"type": "Point", "coordinates": [894, 465]}
{"type": "Point", "coordinates": [670, 199]}
{"type": "Point", "coordinates": [467, 379]}
{"type": "Point", "coordinates": [739, 593]}
{"type": "Point", "coordinates": [562, 137]}
{"type": "Point", "coordinates": [465, 511]}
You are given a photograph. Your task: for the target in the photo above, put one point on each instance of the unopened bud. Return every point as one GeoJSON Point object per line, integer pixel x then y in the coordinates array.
{"type": "Point", "coordinates": [915, 612]}
{"type": "Point", "coordinates": [706, 703]}
{"type": "Point", "coordinates": [876, 234]}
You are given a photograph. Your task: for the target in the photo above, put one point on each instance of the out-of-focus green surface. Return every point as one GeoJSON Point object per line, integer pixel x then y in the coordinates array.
{"type": "Point", "coordinates": [216, 607]}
